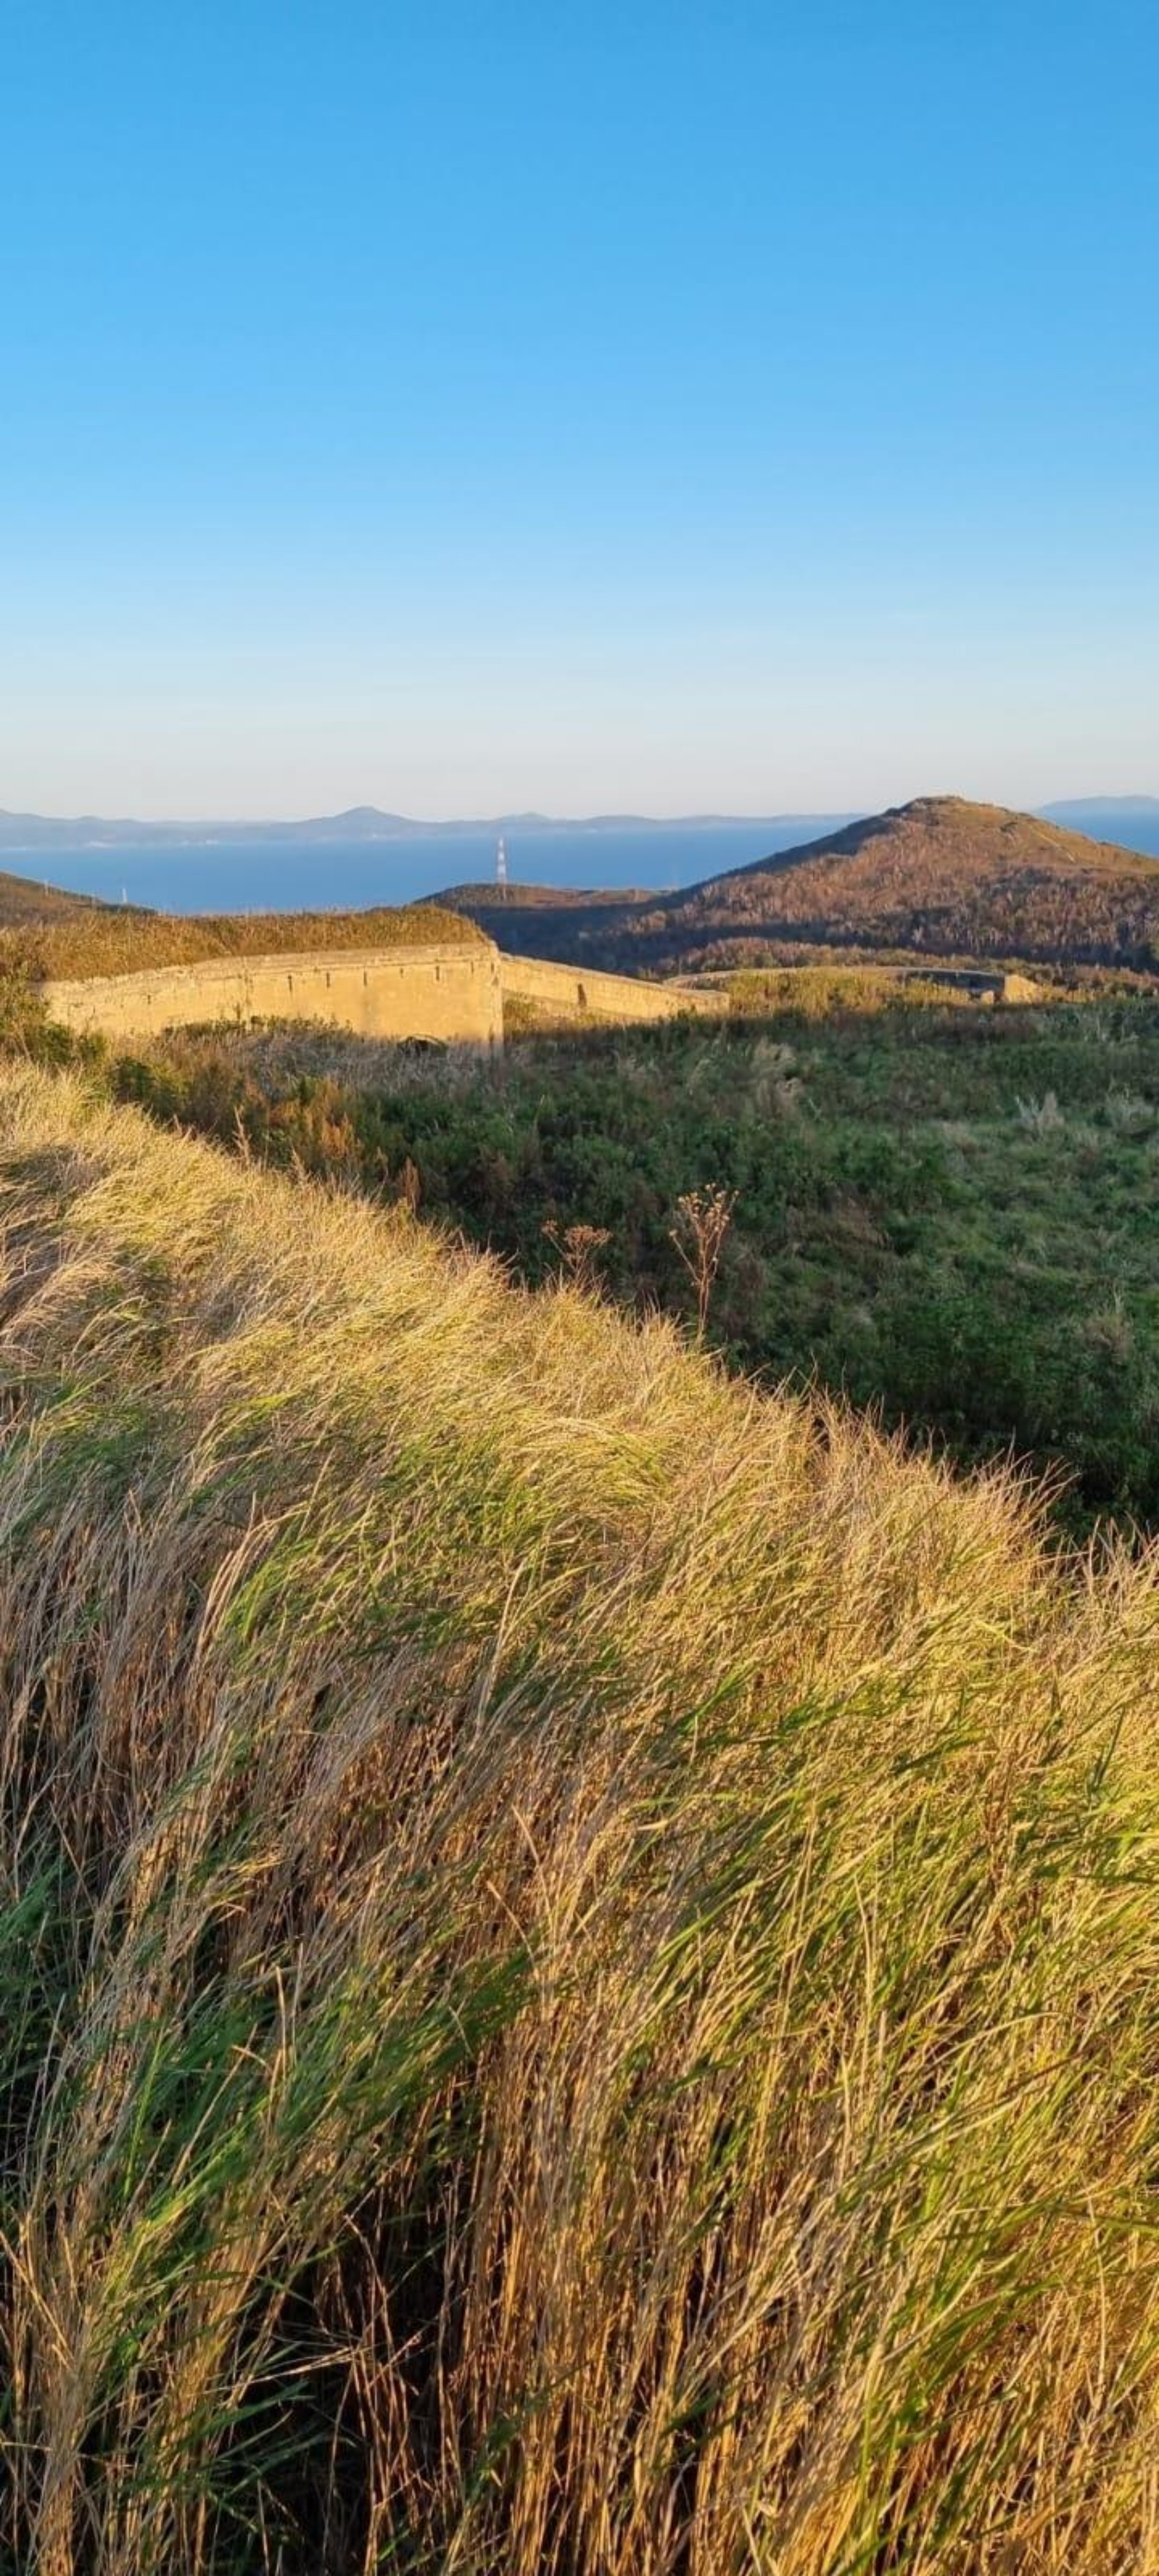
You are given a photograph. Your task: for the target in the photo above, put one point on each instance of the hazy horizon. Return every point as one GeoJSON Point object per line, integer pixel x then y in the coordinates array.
{"type": "Point", "coordinates": [590, 819]}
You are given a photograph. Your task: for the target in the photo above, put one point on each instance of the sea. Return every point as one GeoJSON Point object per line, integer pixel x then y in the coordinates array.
{"type": "Point", "coordinates": [309, 876]}
{"type": "Point", "coordinates": [298, 876]}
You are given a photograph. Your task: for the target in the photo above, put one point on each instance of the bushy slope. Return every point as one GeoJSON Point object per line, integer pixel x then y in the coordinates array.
{"type": "Point", "coordinates": [579, 1947]}
{"type": "Point", "coordinates": [947, 1213]}
{"type": "Point", "coordinates": [939, 877]}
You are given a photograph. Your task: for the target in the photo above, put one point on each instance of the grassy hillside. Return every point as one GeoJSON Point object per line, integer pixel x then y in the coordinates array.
{"type": "Point", "coordinates": [24, 900]}
{"type": "Point", "coordinates": [580, 1947]}
{"type": "Point", "coordinates": [939, 878]}
{"type": "Point", "coordinates": [111, 940]}
{"type": "Point", "coordinates": [483, 897]}
{"type": "Point", "coordinates": [947, 1212]}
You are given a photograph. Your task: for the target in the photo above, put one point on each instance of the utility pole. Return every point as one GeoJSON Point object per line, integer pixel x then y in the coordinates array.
{"type": "Point", "coordinates": [501, 869]}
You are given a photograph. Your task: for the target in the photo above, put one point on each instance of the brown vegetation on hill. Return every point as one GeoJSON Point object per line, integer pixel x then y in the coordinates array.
{"type": "Point", "coordinates": [939, 878]}
{"type": "Point", "coordinates": [483, 896]}
{"type": "Point", "coordinates": [110, 940]}
{"type": "Point", "coordinates": [25, 899]}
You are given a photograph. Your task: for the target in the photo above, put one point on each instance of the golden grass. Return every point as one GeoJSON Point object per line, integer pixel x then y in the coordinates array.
{"type": "Point", "coordinates": [111, 940]}
{"type": "Point", "coordinates": [25, 899]}
{"type": "Point", "coordinates": [578, 1946]}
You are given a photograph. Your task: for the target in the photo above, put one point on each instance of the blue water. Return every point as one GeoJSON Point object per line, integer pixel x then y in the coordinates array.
{"type": "Point", "coordinates": [295, 876]}
{"type": "Point", "coordinates": [275, 876]}
{"type": "Point", "coordinates": [1134, 826]}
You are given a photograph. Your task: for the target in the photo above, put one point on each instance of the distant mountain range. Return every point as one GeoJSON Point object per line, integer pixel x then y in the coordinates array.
{"type": "Point", "coordinates": [32, 833]}
{"type": "Point", "coordinates": [937, 878]}
{"type": "Point", "coordinates": [1130, 820]}
{"type": "Point", "coordinates": [1069, 812]}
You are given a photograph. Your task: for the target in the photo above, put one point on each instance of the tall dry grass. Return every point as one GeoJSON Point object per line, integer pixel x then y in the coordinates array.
{"type": "Point", "coordinates": [111, 939]}
{"type": "Point", "coordinates": [579, 1948]}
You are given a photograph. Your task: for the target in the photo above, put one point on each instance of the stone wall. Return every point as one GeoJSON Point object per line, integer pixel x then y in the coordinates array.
{"type": "Point", "coordinates": [983, 983]}
{"type": "Point", "coordinates": [448, 992]}
{"type": "Point", "coordinates": [572, 993]}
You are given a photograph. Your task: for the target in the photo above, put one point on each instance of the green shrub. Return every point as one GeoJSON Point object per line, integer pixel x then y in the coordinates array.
{"type": "Point", "coordinates": [902, 1229]}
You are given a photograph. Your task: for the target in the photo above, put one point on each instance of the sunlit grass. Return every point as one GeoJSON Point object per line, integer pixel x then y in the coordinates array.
{"type": "Point", "coordinates": [106, 939]}
{"type": "Point", "coordinates": [578, 1947]}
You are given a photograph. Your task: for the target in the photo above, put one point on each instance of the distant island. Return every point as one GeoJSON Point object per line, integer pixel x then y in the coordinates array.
{"type": "Point", "coordinates": [1092, 813]}
{"type": "Point", "coordinates": [36, 832]}
{"type": "Point", "coordinates": [1127, 819]}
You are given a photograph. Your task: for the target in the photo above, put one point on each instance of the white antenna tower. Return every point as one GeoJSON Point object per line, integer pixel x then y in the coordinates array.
{"type": "Point", "coordinates": [501, 868]}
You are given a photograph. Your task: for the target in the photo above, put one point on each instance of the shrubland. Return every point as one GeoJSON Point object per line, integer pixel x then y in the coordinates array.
{"type": "Point", "coordinates": [942, 1211]}
{"type": "Point", "coordinates": [579, 1942]}
{"type": "Point", "coordinates": [940, 877]}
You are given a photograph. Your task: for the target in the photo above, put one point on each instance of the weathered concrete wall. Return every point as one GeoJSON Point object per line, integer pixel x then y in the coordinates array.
{"type": "Point", "coordinates": [983, 983]}
{"type": "Point", "coordinates": [1022, 988]}
{"type": "Point", "coordinates": [572, 993]}
{"type": "Point", "coordinates": [439, 991]}
{"type": "Point", "coordinates": [448, 992]}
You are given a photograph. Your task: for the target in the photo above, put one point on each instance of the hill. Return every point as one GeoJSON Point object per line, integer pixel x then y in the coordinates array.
{"type": "Point", "coordinates": [937, 878]}
{"type": "Point", "coordinates": [46, 931]}
{"type": "Point", "coordinates": [578, 1944]}
{"type": "Point", "coordinates": [112, 939]}
{"type": "Point", "coordinates": [481, 897]}
{"type": "Point", "coordinates": [23, 900]}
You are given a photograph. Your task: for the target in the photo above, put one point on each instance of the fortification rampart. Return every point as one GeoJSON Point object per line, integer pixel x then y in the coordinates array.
{"type": "Point", "coordinates": [574, 993]}
{"type": "Point", "coordinates": [454, 993]}
{"type": "Point", "coordinates": [448, 992]}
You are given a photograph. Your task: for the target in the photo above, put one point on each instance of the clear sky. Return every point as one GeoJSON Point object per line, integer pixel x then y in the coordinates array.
{"type": "Point", "coordinates": [604, 405]}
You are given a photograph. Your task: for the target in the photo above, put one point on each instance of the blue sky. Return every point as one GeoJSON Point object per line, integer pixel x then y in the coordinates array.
{"type": "Point", "coordinates": [668, 407]}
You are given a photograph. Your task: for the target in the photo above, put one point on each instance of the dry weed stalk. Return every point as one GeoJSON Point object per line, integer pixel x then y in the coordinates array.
{"type": "Point", "coordinates": [579, 1247]}
{"type": "Point", "coordinates": [703, 1218]}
